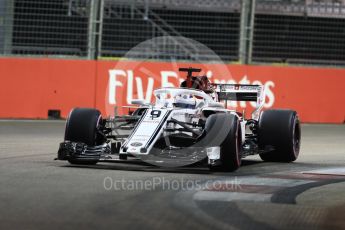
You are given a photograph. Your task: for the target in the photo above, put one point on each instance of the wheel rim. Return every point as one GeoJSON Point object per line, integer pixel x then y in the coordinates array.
{"type": "Point", "coordinates": [96, 135]}
{"type": "Point", "coordinates": [238, 145]}
{"type": "Point", "coordinates": [296, 138]}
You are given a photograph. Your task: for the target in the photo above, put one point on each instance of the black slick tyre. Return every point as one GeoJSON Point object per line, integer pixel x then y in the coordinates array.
{"type": "Point", "coordinates": [82, 126]}
{"type": "Point", "coordinates": [224, 130]}
{"type": "Point", "coordinates": [280, 131]}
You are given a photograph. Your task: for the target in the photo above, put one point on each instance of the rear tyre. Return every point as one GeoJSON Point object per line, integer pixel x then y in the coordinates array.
{"type": "Point", "coordinates": [279, 130]}
{"type": "Point", "coordinates": [224, 130]}
{"type": "Point", "coordinates": [82, 126]}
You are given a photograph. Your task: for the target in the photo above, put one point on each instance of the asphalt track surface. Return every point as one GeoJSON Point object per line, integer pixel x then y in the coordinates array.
{"type": "Point", "coordinates": [37, 192]}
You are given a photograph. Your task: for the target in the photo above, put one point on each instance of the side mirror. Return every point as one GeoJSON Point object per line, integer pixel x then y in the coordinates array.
{"type": "Point", "coordinates": [139, 102]}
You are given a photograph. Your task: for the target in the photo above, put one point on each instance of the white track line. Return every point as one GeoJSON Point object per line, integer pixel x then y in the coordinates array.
{"type": "Point", "coordinates": [213, 195]}
{"type": "Point", "coordinates": [339, 171]}
{"type": "Point", "coordinates": [281, 182]}
{"type": "Point", "coordinates": [231, 196]}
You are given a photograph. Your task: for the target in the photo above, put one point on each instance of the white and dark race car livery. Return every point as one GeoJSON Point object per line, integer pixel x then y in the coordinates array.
{"type": "Point", "coordinates": [185, 126]}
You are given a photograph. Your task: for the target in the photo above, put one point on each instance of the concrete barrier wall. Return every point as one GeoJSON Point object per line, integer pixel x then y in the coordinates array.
{"type": "Point", "coordinates": [31, 87]}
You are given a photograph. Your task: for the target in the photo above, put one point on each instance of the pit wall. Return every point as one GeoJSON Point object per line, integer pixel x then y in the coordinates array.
{"type": "Point", "coordinates": [31, 87]}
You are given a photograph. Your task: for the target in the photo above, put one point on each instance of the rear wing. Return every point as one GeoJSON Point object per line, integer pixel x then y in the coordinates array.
{"type": "Point", "coordinates": [241, 92]}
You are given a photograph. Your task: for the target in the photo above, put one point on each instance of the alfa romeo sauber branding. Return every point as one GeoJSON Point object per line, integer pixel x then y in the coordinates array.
{"type": "Point", "coordinates": [237, 87]}
{"type": "Point", "coordinates": [147, 131]}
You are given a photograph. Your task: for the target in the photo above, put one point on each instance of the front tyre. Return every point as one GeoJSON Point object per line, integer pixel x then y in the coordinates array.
{"type": "Point", "coordinates": [279, 130]}
{"type": "Point", "coordinates": [226, 129]}
{"type": "Point", "coordinates": [82, 126]}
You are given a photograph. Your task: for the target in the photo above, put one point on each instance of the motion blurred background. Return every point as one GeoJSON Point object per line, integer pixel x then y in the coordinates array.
{"type": "Point", "coordinates": [57, 54]}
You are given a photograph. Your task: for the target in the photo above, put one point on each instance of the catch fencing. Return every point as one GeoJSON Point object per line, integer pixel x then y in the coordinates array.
{"type": "Point", "coordinates": [303, 32]}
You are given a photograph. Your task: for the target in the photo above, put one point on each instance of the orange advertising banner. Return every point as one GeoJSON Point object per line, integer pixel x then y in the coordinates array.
{"type": "Point", "coordinates": [317, 94]}
{"type": "Point", "coordinates": [31, 87]}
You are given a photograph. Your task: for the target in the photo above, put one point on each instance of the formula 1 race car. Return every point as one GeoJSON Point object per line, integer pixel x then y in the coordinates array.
{"type": "Point", "coordinates": [185, 125]}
